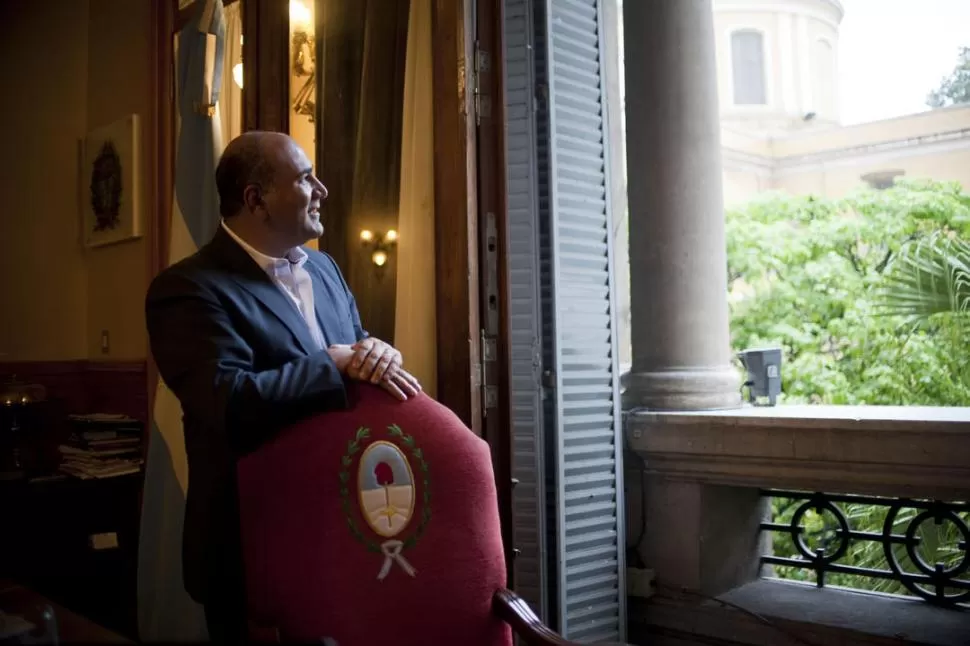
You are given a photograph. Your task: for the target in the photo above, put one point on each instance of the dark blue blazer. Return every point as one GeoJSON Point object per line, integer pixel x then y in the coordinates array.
{"type": "Point", "coordinates": [240, 359]}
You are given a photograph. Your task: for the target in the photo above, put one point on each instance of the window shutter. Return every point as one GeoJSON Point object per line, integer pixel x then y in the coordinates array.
{"type": "Point", "coordinates": [559, 206]}
{"type": "Point", "coordinates": [529, 495]}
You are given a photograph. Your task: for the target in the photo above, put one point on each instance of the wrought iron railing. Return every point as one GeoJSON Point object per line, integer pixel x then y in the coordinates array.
{"type": "Point", "coordinates": [893, 545]}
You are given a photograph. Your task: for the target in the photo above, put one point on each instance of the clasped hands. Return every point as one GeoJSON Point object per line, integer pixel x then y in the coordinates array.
{"type": "Point", "coordinates": [376, 362]}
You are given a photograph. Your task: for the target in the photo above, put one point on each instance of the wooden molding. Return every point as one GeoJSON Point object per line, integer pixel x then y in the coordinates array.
{"type": "Point", "coordinates": [162, 163]}
{"type": "Point", "coordinates": [456, 213]}
{"type": "Point", "coordinates": [908, 452]}
{"type": "Point", "coordinates": [495, 299]}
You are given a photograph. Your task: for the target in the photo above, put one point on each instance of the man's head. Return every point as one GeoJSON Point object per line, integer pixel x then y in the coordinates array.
{"type": "Point", "coordinates": [266, 180]}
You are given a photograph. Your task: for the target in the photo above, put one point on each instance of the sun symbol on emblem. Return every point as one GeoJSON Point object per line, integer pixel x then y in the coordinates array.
{"type": "Point", "coordinates": [386, 487]}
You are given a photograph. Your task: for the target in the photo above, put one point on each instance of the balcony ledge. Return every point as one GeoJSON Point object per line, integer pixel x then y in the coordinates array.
{"type": "Point", "coordinates": [768, 611]}
{"type": "Point", "coordinates": [878, 450]}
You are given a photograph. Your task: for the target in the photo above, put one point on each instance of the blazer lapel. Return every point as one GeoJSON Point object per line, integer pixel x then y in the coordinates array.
{"type": "Point", "coordinates": [251, 277]}
{"type": "Point", "coordinates": [323, 303]}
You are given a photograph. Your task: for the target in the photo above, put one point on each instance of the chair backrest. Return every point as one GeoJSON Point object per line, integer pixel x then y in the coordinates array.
{"type": "Point", "coordinates": [376, 525]}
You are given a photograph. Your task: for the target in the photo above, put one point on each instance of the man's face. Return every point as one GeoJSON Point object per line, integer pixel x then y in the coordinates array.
{"type": "Point", "coordinates": [293, 202]}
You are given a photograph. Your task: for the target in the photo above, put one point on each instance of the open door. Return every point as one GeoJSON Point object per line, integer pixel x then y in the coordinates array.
{"type": "Point", "coordinates": [565, 408]}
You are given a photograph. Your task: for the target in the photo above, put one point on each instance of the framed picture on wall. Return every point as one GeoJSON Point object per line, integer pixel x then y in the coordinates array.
{"type": "Point", "coordinates": [111, 183]}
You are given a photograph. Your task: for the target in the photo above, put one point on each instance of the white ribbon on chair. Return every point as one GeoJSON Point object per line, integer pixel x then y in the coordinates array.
{"type": "Point", "coordinates": [392, 553]}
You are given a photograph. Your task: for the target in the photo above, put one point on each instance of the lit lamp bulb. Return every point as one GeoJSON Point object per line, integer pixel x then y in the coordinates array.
{"type": "Point", "coordinates": [299, 14]}
{"type": "Point", "coordinates": [237, 74]}
{"type": "Point", "coordinates": [366, 235]}
{"type": "Point", "coordinates": [379, 258]}
{"type": "Point", "coordinates": [391, 236]}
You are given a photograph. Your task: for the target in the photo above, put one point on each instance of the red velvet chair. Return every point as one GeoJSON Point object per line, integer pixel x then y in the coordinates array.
{"type": "Point", "coordinates": [378, 525]}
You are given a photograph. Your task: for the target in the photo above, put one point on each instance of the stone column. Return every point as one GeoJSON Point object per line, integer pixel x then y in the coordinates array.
{"type": "Point", "coordinates": [678, 260]}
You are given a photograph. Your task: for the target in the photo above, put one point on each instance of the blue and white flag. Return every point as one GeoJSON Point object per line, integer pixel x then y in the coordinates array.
{"type": "Point", "coordinates": [166, 613]}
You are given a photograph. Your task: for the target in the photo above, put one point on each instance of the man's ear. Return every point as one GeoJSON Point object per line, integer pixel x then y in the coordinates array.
{"type": "Point", "coordinates": [253, 197]}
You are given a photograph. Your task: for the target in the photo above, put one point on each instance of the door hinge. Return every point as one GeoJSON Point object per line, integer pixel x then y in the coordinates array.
{"type": "Point", "coordinates": [489, 355]}
{"type": "Point", "coordinates": [549, 379]}
{"type": "Point", "coordinates": [483, 102]}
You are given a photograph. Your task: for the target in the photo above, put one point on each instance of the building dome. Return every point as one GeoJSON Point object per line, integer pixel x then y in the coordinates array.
{"type": "Point", "coordinates": [778, 63]}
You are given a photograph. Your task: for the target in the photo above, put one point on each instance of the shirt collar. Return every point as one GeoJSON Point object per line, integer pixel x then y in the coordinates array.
{"type": "Point", "coordinates": [295, 256]}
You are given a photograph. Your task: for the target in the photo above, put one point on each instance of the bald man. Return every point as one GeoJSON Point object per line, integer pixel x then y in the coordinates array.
{"type": "Point", "coordinates": [252, 334]}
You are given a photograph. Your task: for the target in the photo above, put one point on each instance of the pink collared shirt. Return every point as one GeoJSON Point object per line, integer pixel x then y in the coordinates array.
{"type": "Point", "coordinates": [290, 275]}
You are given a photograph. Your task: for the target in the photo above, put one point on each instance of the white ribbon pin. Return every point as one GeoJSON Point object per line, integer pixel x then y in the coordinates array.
{"type": "Point", "coordinates": [392, 553]}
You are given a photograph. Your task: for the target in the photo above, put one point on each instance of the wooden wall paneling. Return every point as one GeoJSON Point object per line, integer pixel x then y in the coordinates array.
{"type": "Point", "coordinates": [493, 223]}
{"type": "Point", "coordinates": [88, 386]}
{"type": "Point", "coordinates": [266, 67]}
{"type": "Point", "coordinates": [455, 205]}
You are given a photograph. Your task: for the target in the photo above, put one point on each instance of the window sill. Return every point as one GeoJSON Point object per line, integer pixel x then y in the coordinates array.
{"type": "Point", "coordinates": [784, 613]}
{"type": "Point", "coordinates": [877, 450]}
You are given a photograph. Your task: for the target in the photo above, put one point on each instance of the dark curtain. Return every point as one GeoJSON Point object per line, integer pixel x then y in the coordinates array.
{"type": "Point", "coordinates": [361, 49]}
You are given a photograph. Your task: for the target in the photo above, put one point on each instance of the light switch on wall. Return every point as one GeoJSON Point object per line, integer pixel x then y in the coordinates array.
{"type": "Point", "coordinates": [105, 342]}
{"type": "Point", "coordinates": [105, 541]}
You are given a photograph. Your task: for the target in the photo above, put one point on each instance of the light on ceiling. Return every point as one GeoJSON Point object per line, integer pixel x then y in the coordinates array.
{"type": "Point", "coordinates": [299, 14]}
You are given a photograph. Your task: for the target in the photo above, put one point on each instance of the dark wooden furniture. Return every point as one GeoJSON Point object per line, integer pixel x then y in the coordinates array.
{"type": "Point", "coordinates": [49, 544]}
{"type": "Point", "coordinates": [16, 599]}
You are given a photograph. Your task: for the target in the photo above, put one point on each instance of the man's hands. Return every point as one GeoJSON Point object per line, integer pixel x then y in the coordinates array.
{"type": "Point", "coordinates": [376, 362]}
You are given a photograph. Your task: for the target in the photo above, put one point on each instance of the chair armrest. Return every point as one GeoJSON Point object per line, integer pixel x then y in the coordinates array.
{"type": "Point", "coordinates": [513, 610]}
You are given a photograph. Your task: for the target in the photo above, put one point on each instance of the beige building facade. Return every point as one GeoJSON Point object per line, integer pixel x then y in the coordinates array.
{"type": "Point", "coordinates": [777, 66]}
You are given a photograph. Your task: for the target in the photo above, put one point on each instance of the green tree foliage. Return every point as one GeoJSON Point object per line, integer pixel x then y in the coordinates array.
{"type": "Point", "coordinates": [806, 273]}
{"type": "Point", "coordinates": [955, 88]}
{"type": "Point", "coordinates": [868, 298]}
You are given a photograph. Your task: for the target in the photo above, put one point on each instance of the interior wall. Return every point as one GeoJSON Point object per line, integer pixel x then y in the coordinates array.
{"type": "Point", "coordinates": [43, 272]}
{"type": "Point", "coordinates": [72, 65]}
{"type": "Point", "coordinates": [119, 84]}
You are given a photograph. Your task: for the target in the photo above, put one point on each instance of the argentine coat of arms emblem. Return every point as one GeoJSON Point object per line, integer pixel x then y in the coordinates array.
{"type": "Point", "coordinates": [393, 495]}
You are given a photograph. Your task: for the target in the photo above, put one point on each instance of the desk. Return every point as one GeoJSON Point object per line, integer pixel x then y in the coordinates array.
{"type": "Point", "coordinates": [71, 628]}
{"type": "Point", "coordinates": [46, 544]}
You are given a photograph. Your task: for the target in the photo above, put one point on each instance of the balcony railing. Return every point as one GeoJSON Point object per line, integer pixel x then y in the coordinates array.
{"type": "Point", "coordinates": [708, 477]}
{"type": "Point", "coordinates": [920, 547]}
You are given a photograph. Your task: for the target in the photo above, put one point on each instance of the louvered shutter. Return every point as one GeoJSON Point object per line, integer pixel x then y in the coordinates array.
{"type": "Point", "coordinates": [559, 197]}
{"type": "Point", "coordinates": [529, 495]}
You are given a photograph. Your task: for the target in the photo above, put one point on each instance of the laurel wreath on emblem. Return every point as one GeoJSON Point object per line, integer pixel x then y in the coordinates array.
{"type": "Point", "coordinates": [353, 447]}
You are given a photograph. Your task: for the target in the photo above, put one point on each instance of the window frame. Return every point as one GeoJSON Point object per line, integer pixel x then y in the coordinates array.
{"type": "Point", "coordinates": [732, 70]}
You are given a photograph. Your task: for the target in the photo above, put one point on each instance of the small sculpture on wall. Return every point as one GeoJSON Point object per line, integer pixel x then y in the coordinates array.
{"type": "Point", "coordinates": [106, 187]}
{"type": "Point", "coordinates": [304, 64]}
{"type": "Point", "coordinates": [111, 176]}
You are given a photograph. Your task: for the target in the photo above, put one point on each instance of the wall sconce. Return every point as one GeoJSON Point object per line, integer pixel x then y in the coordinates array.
{"type": "Point", "coordinates": [378, 244]}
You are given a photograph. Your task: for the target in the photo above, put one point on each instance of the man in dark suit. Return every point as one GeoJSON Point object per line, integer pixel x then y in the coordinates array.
{"type": "Point", "coordinates": [252, 334]}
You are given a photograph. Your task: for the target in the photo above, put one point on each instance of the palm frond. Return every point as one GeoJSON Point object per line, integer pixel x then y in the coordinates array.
{"type": "Point", "coordinates": [929, 276]}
